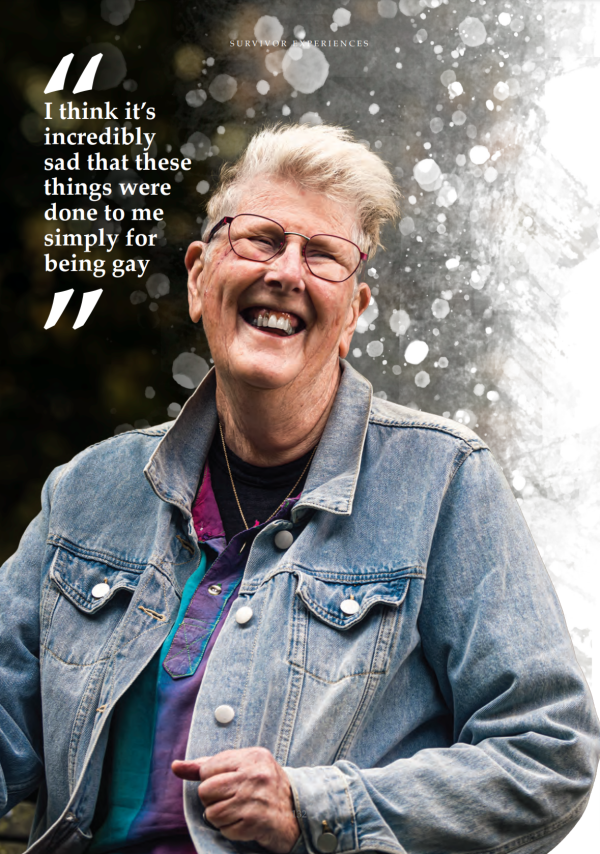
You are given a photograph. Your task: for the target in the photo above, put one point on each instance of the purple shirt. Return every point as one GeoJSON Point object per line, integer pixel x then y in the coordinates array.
{"type": "Point", "coordinates": [150, 727]}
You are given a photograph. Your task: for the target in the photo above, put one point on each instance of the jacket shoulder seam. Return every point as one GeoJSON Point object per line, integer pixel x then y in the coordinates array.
{"type": "Point", "coordinates": [474, 443]}
{"type": "Point", "coordinates": [157, 434]}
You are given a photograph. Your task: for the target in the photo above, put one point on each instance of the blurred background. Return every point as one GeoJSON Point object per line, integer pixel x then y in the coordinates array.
{"type": "Point", "coordinates": [485, 300]}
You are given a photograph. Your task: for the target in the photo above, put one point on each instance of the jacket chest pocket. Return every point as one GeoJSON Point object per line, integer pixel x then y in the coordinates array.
{"type": "Point", "coordinates": [85, 604]}
{"type": "Point", "coordinates": [345, 631]}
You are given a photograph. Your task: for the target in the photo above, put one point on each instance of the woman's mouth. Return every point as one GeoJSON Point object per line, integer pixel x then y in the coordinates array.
{"type": "Point", "coordinates": [282, 323]}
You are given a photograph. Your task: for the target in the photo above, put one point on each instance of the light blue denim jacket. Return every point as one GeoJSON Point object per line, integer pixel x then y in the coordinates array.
{"type": "Point", "coordinates": [448, 714]}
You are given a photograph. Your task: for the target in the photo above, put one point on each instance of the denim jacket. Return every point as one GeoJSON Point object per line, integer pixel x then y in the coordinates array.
{"type": "Point", "coordinates": [442, 711]}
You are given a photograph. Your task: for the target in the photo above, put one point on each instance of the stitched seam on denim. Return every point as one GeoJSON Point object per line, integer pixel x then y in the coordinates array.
{"type": "Point", "coordinates": [72, 464]}
{"type": "Point", "coordinates": [391, 849]}
{"type": "Point", "coordinates": [71, 663]}
{"type": "Point", "coordinates": [59, 477]}
{"type": "Point", "coordinates": [114, 649]}
{"type": "Point", "coordinates": [360, 449]}
{"type": "Point", "coordinates": [76, 598]}
{"type": "Point", "coordinates": [520, 841]}
{"type": "Point", "coordinates": [324, 681]}
{"type": "Point", "coordinates": [247, 687]}
{"type": "Point", "coordinates": [297, 639]}
{"type": "Point", "coordinates": [114, 645]}
{"type": "Point", "coordinates": [475, 443]}
{"type": "Point", "coordinates": [382, 648]}
{"type": "Point", "coordinates": [457, 464]}
{"type": "Point", "coordinates": [359, 578]}
{"type": "Point", "coordinates": [350, 805]}
{"type": "Point", "coordinates": [344, 510]}
{"type": "Point", "coordinates": [328, 618]}
{"type": "Point", "coordinates": [185, 648]}
{"type": "Point", "coordinates": [87, 702]}
{"type": "Point", "coordinates": [49, 597]}
{"type": "Point", "coordinates": [254, 585]}
{"type": "Point", "coordinates": [91, 554]}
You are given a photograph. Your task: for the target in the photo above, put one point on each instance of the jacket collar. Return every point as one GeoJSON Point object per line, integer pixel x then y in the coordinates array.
{"type": "Point", "coordinates": [175, 467]}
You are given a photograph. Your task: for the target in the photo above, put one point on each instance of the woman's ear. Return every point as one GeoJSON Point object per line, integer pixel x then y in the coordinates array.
{"type": "Point", "coordinates": [359, 303]}
{"type": "Point", "coordinates": [194, 262]}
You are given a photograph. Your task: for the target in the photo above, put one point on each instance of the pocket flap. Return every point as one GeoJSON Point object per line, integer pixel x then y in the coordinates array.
{"type": "Point", "coordinates": [329, 601]}
{"type": "Point", "coordinates": [79, 579]}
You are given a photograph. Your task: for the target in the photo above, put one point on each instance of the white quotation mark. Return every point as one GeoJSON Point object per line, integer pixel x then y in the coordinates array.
{"type": "Point", "coordinates": [59, 303]}
{"type": "Point", "coordinates": [85, 82]}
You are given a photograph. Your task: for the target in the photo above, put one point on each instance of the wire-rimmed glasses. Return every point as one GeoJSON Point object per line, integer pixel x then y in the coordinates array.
{"type": "Point", "coordinates": [258, 238]}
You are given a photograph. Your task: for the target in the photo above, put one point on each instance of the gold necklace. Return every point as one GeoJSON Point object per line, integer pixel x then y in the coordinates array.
{"type": "Point", "coordinates": [237, 500]}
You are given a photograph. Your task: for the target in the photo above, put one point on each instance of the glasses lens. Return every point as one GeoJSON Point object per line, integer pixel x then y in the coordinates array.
{"type": "Point", "coordinates": [255, 238]}
{"type": "Point", "coordinates": [332, 258]}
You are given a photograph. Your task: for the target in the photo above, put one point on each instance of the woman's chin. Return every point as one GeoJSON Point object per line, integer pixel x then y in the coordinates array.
{"type": "Point", "coordinates": [263, 372]}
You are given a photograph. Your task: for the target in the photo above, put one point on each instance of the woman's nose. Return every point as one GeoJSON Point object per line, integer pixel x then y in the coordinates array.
{"type": "Point", "coordinates": [288, 266]}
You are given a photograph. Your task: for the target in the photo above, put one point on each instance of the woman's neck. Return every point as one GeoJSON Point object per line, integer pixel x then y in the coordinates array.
{"type": "Point", "coordinates": [268, 427]}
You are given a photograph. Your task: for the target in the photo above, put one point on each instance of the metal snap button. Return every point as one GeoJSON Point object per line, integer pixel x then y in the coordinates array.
{"type": "Point", "coordinates": [100, 590]}
{"type": "Point", "coordinates": [283, 539]}
{"type": "Point", "coordinates": [214, 589]}
{"type": "Point", "coordinates": [224, 714]}
{"type": "Point", "coordinates": [243, 614]}
{"type": "Point", "coordinates": [350, 606]}
{"type": "Point", "coordinates": [327, 843]}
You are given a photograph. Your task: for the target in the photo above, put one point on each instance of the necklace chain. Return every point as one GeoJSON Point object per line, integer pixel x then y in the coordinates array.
{"type": "Point", "coordinates": [237, 500]}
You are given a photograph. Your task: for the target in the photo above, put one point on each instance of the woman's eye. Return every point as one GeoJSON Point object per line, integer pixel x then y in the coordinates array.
{"type": "Point", "coordinates": [321, 253]}
{"type": "Point", "coordinates": [264, 239]}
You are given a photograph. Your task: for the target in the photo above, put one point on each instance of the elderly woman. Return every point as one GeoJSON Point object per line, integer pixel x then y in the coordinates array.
{"type": "Point", "coordinates": [330, 604]}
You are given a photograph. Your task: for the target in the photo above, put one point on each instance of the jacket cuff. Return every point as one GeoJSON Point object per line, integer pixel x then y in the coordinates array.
{"type": "Point", "coordinates": [324, 810]}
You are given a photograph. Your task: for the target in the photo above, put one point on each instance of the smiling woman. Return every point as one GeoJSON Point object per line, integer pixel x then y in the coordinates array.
{"type": "Point", "coordinates": [275, 281]}
{"type": "Point", "coordinates": [297, 586]}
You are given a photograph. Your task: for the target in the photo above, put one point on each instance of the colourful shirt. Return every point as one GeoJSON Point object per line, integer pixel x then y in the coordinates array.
{"type": "Point", "coordinates": [142, 800]}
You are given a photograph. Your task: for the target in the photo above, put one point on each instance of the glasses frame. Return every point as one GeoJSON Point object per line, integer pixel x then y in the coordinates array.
{"type": "Point", "coordinates": [227, 220]}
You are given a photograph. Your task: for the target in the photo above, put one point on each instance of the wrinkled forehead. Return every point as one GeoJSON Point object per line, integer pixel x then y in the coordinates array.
{"type": "Point", "coordinates": [296, 208]}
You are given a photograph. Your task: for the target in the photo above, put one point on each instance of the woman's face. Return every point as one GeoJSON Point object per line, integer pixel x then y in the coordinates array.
{"type": "Point", "coordinates": [231, 293]}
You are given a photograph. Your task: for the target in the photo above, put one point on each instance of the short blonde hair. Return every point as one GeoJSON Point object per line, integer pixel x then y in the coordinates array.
{"type": "Point", "coordinates": [321, 158]}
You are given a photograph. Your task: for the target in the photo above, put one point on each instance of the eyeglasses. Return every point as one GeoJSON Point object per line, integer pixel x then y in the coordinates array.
{"type": "Point", "coordinates": [258, 238]}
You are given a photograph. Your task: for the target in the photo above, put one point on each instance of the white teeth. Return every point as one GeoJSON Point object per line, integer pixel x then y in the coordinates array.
{"type": "Point", "coordinates": [271, 321]}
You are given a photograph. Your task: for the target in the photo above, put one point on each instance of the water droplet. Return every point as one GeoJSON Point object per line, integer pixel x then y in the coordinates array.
{"type": "Point", "coordinates": [479, 154]}
{"type": "Point", "coordinates": [341, 17]}
{"type": "Point", "coordinates": [158, 285]}
{"type": "Point", "coordinates": [195, 97]}
{"type": "Point", "coordinates": [501, 91]}
{"type": "Point", "coordinates": [440, 308]}
{"type": "Point", "coordinates": [189, 370]}
{"type": "Point", "coordinates": [472, 32]}
{"type": "Point", "coordinates": [306, 69]}
{"type": "Point", "coordinates": [407, 225]}
{"type": "Point", "coordinates": [416, 352]}
{"type": "Point", "coordinates": [223, 88]}
{"type": "Point", "coordinates": [387, 8]}
{"type": "Point", "coordinates": [374, 348]}
{"type": "Point", "coordinates": [399, 321]}
{"type": "Point", "coordinates": [268, 28]}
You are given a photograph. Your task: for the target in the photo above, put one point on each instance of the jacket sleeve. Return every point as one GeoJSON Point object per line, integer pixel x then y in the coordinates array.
{"type": "Point", "coordinates": [519, 772]}
{"type": "Point", "coordinates": [21, 745]}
